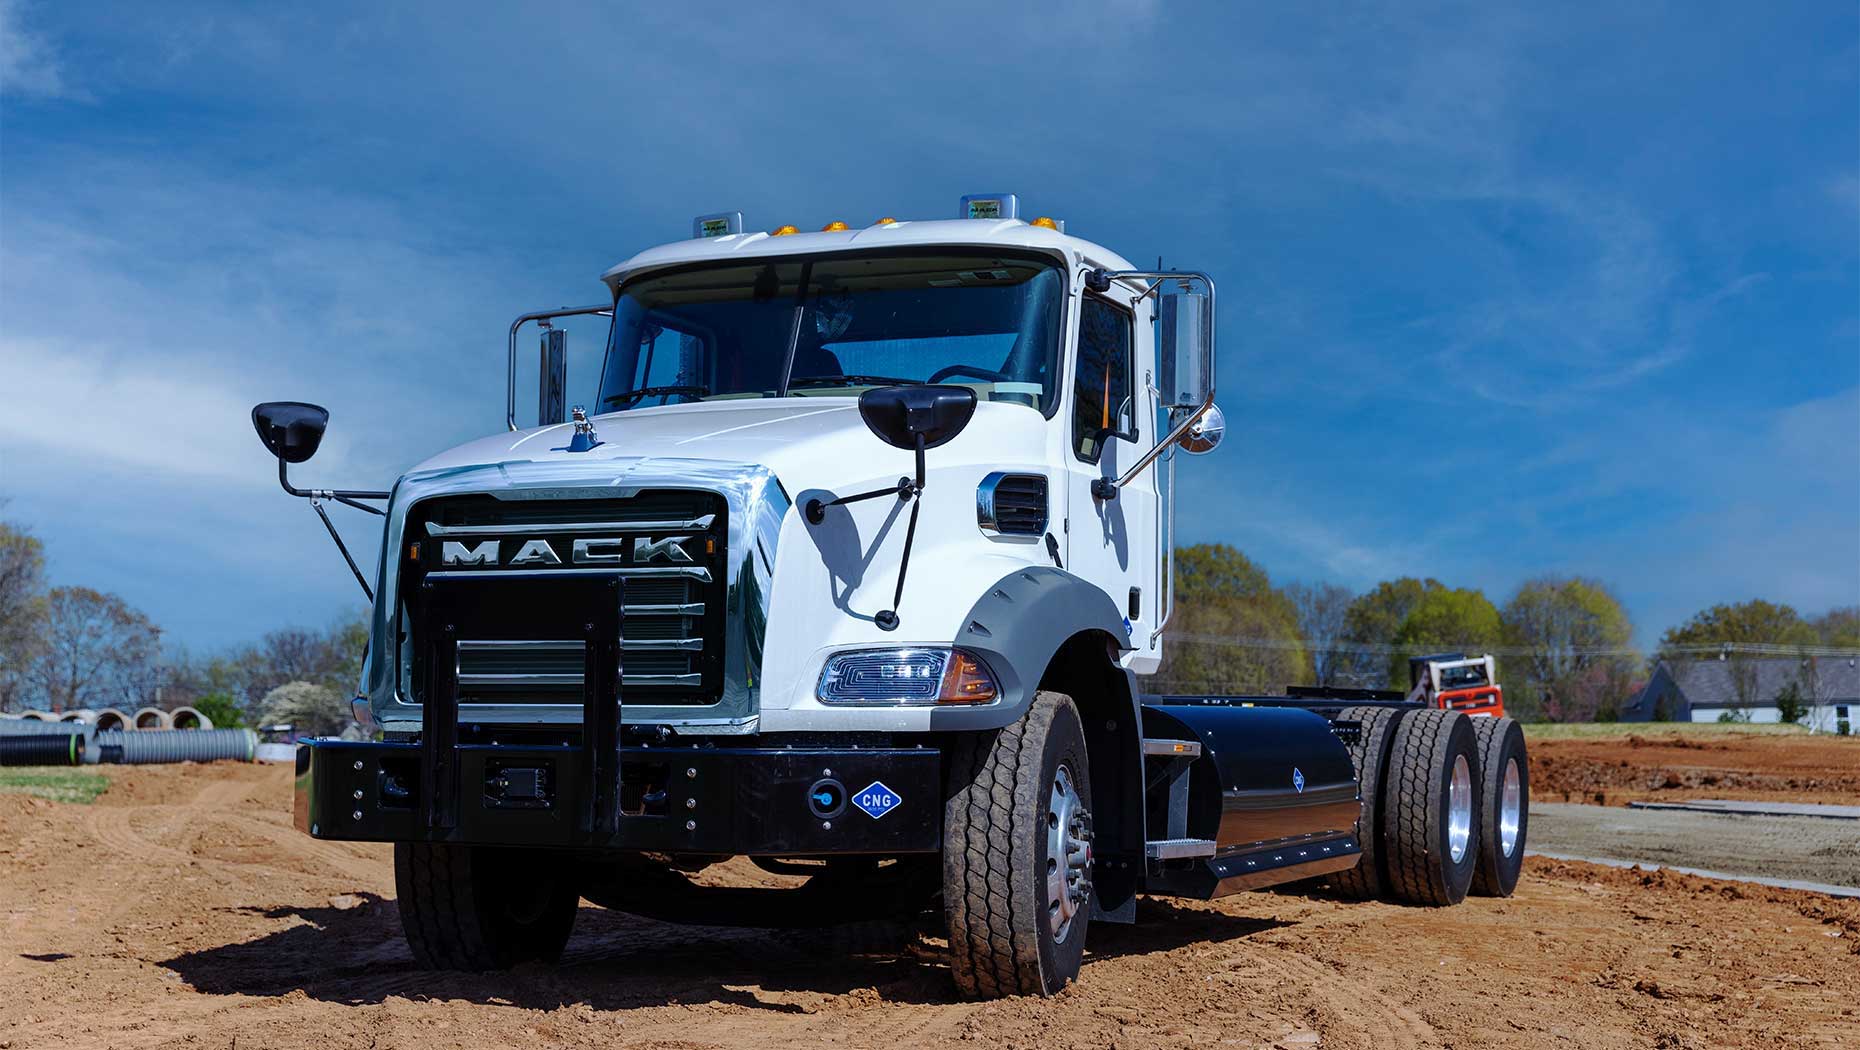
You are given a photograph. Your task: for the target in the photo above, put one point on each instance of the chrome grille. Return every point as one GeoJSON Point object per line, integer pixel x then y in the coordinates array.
{"type": "Point", "coordinates": [672, 623]}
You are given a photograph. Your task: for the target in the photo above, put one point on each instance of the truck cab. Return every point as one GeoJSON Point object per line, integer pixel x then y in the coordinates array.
{"type": "Point", "coordinates": [849, 563]}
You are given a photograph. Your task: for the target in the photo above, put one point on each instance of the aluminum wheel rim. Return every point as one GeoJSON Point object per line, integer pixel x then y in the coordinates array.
{"type": "Point", "coordinates": [1068, 856]}
{"type": "Point", "coordinates": [1459, 809]}
{"type": "Point", "coordinates": [1510, 808]}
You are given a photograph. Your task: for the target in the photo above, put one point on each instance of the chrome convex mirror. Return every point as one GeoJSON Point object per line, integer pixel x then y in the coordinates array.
{"type": "Point", "coordinates": [1204, 434]}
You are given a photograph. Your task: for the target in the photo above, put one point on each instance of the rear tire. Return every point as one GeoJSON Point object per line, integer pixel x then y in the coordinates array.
{"type": "Point", "coordinates": [1370, 756]}
{"type": "Point", "coordinates": [1505, 801]}
{"type": "Point", "coordinates": [1430, 808]}
{"type": "Point", "coordinates": [483, 908]}
{"type": "Point", "coordinates": [1018, 909]}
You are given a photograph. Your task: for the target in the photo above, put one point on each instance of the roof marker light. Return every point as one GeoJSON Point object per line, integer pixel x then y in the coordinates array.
{"type": "Point", "coordinates": [1048, 223]}
{"type": "Point", "coordinates": [834, 227]}
{"type": "Point", "coordinates": [783, 231]}
{"type": "Point", "coordinates": [722, 224]}
{"type": "Point", "coordinates": [886, 221]}
{"type": "Point", "coordinates": [990, 206]}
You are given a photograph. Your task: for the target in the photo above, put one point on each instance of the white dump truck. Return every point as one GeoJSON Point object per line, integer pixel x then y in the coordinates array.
{"type": "Point", "coordinates": [853, 565]}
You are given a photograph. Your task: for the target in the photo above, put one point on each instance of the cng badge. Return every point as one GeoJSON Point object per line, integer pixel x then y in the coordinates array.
{"type": "Point", "coordinates": [876, 799]}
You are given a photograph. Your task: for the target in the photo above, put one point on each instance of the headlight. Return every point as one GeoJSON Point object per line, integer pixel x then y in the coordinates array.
{"type": "Point", "coordinates": [906, 677]}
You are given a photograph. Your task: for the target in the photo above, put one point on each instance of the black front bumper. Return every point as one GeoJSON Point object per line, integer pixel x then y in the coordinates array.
{"type": "Point", "coordinates": [765, 801]}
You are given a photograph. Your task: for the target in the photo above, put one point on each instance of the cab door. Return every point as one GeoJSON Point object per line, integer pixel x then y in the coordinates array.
{"type": "Point", "coordinates": [1111, 542]}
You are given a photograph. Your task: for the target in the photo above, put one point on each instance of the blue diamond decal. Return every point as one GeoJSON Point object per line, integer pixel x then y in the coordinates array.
{"type": "Point", "coordinates": [1298, 779]}
{"type": "Point", "coordinates": [876, 799]}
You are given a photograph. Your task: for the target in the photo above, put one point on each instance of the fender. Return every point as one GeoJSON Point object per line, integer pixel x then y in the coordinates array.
{"type": "Point", "coordinates": [1016, 627]}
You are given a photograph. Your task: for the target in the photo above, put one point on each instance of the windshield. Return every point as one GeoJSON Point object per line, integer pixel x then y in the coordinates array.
{"type": "Point", "coordinates": [834, 327]}
{"type": "Point", "coordinates": [1462, 677]}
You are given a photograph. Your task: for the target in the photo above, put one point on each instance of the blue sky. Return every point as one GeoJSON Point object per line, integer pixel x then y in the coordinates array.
{"type": "Point", "coordinates": [1505, 290]}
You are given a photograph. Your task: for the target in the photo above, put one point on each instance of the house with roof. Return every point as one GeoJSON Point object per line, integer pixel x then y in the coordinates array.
{"type": "Point", "coordinates": [1745, 688]}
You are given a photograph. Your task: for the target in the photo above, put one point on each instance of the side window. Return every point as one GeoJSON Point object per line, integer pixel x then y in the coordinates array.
{"type": "Point", "coordinates": [1102, 406]}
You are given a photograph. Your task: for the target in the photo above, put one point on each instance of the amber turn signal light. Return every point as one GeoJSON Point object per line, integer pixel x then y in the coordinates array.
{"type": "Point", "coordinates": [966, 681]}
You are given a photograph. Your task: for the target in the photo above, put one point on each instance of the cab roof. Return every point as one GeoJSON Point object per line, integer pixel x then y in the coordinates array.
{"type": "Point", "coordinates": [955, 233]}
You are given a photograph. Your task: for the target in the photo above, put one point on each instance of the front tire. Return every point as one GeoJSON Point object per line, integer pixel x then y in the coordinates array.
{"type": "Point", "coordinates": [1017, 853]}
{"type": "Point", "coordinates": [1430, 808]}
{"type": "Point", "coordinates": [483, 908]}
{"type": "Point", "coordinates": [1505, 794]}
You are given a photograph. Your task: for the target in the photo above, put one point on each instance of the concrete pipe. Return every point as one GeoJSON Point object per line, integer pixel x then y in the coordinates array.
{"type": "Point", "coordinates": [151, 746]}
{"type": "Point", "coordinates": [37, 716]}
{"type": "Point", "coordinates": [187, 718]}
{"type": "Point", "coordinates": [153, 718]}
{"type": "Point", "coordinates": [111, 718]}
{"type": "Point", "coordinates": [34, 727]}
{"type": "Point", "coordinates": [83, 714]}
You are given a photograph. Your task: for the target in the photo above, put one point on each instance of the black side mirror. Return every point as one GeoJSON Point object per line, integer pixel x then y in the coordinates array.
{"type": "Point", "coordinates": [899, 415]}
{"type": "Point", "coordinates": [291, 430]}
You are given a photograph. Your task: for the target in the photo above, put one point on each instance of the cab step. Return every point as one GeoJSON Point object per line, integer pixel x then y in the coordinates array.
{"type": "Point", "coordinates": [1172, 748]}
{"type": "Point", "coordinates": [1178, 849]}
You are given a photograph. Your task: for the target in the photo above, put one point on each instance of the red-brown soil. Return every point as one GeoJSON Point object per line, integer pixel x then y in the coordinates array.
{"type": "Point", "coordinates": [1666, 765]}
{"type": "Point", "coordinates": [181, 910]}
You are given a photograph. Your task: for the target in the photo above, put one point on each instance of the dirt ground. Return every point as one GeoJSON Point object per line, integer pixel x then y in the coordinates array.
{"type": "Point", "coordinates": [1674, 764]}
{"type": "Point", "coordinates": [181, 910]}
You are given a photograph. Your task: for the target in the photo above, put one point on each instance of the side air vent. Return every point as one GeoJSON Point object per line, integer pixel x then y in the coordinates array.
{"type": "Point", "coordinates": [1011, 504]}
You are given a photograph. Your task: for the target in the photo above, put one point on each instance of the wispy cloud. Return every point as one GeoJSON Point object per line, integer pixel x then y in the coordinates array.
{"type": "Point", "coordinates": [29, 63]}
{"type": "Point", "coordinates": [1502, 291]}
{"type": "Point", "coordinates": [168, 417]}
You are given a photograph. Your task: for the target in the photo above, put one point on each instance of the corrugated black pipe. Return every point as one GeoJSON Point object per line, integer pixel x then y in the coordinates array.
{"type": "Point", "coordinates": [42, 749]}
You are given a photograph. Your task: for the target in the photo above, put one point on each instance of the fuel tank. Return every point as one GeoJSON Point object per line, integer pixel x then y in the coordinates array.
{"type": "Point", "coordinates": [1272, 789]}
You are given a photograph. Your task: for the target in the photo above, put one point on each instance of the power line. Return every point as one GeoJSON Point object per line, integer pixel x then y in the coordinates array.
{"type": "Point", "coordinates": [1390, 649]}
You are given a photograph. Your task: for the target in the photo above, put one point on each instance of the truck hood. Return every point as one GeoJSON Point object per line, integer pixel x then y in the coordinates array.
{"type": "Point", "coordinates": [808, 442]}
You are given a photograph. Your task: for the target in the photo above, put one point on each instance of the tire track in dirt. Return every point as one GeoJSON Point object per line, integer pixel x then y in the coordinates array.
{"type": "Point", "coordinates": [217, 807]}
{"type": "Point", "coordinates": [1354, 1005]}
{"type": "Point", "coordinates": [344, 860]}
{"type": "Point", "coordinates": [113, 827]}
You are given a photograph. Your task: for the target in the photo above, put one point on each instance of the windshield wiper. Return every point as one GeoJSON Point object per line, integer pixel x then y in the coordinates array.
{"type": "Point", "coordinates": [851, 380]}
{"type": "Point", "coordinates": [632, 396]}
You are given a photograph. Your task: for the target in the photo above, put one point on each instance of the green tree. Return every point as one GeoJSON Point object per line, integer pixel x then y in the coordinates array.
{"type": "Point", "coordinates": [1456, 618]}
{"type": "Point", "coordinates": [221, 709]}
{"type": "Point", "coordinates": [1373, 619]}
{"type": "Point", "coordinates": [1755, 622]}
{"type": "Point", "coordinates": [1232, 631]}
{"type": "Point", "coordinates": [1839, 627]}
{"type": "Point", "coordinates": [22, 611]}
{"type": "Point", "coordinates": [348, 641]}
{"type": "Point", "coordinates": [1790, 707]}
{"type": "Point", "coordinates": [1564, 624]}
